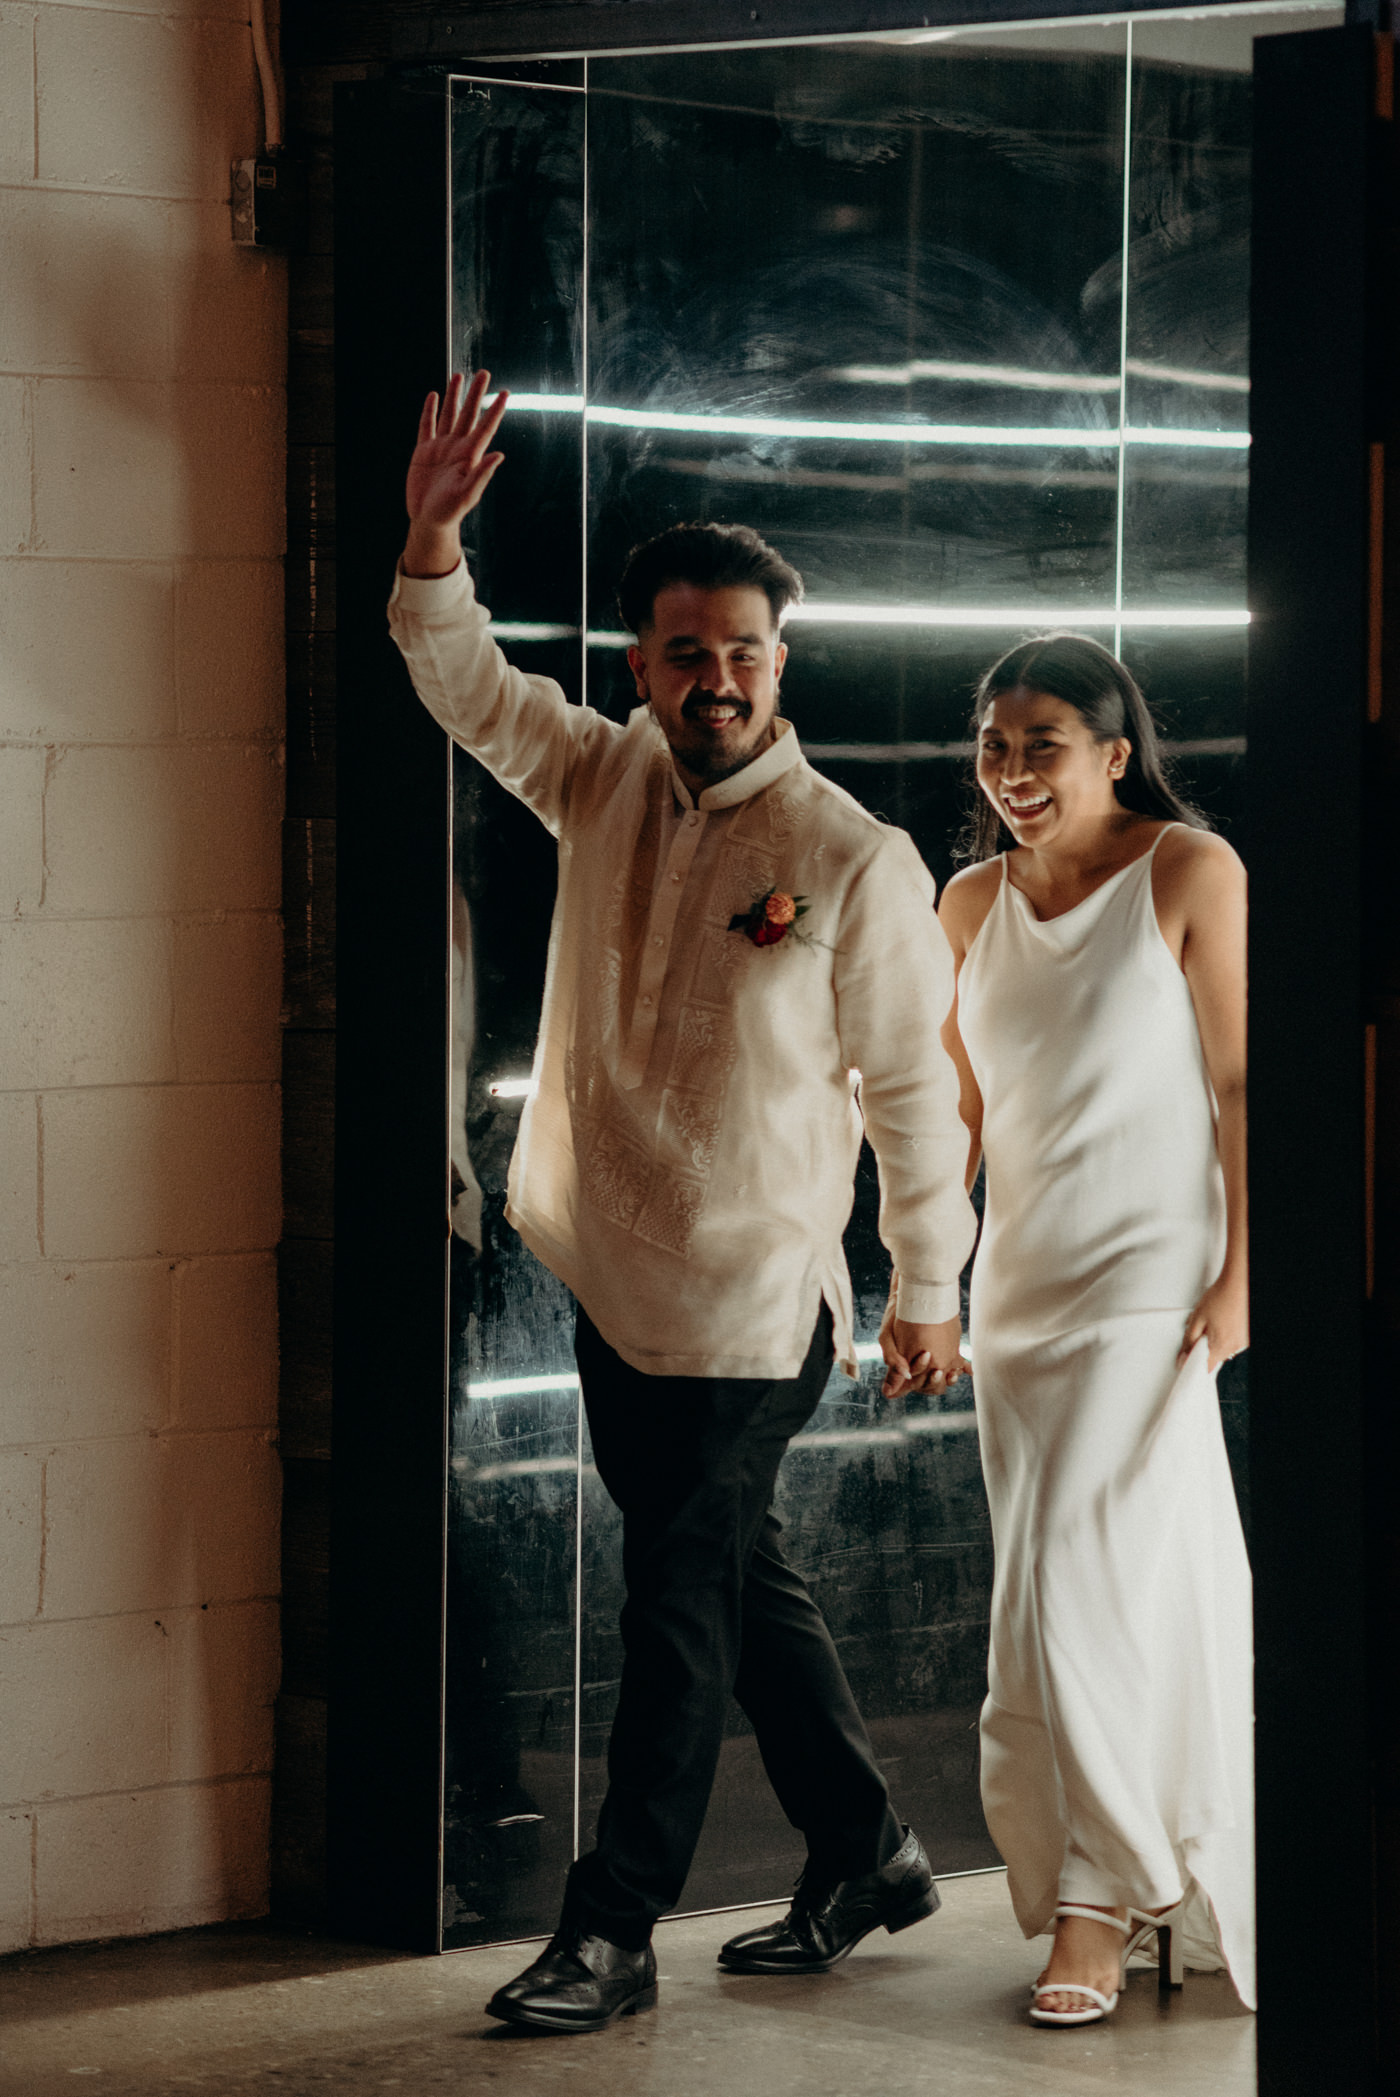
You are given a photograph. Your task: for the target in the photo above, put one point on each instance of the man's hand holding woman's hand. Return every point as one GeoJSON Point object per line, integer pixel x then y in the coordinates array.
{"type": "Point", "coordinates": [449, 472]}
{"type": "Point", "coordinates": [920, 1357]}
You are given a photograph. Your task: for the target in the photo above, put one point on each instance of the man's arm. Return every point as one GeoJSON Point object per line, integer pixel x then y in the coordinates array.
{"type": "Point", "coordinates": [894, 985]}
{"type": "Point", "coordinates": [522, 728]}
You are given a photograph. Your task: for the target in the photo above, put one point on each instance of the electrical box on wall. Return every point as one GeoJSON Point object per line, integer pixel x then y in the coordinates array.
{"type": "Point", "coordinates": [268, 201]}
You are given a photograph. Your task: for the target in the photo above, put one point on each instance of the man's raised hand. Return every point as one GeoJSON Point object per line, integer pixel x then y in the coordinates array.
{"type": "Point", "coordinates": [449, 471]}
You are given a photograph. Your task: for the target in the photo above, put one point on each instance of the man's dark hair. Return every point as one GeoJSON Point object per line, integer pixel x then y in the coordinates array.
{"type": "Point", "coordinates": [712, 557]}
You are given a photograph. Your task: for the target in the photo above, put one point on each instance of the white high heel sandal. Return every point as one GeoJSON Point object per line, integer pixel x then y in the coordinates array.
{"type": "Point", "coordinates": [1135, 1931]}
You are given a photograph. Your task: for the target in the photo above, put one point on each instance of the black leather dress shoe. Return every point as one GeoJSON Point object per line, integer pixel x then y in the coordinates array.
{"type": "Point", "coordinates": [578, 1983]}
{"type": "Point", "coordinates": [826, 1921]}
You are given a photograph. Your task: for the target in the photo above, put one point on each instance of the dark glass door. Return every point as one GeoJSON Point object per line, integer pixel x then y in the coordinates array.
{"type": "Point", "coordinates": [962, 326]}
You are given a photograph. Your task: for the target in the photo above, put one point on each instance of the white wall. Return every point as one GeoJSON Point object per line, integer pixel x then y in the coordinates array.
{"type": "Point", "coordinates": [141, 466]}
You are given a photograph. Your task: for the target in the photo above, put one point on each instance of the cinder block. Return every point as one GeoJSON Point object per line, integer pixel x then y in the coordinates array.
{"type": "Point", "coordinates": [87, 1349]}
{"type": "Point", "coordinates": [229, 314]}
{"type": "Point", "coordinates": [16, 1862]}
{"type": "Point", "coordinates": [229, 659]}
{"type": "Point", "coordinates": [108, 472]}
{"type": "Point", "coordinates": [21, 1550]}
{"type": "Point", "coordinates": [228, 994]}
{"type": "Point", "coordinates": [88, 650]}
{"type": "Point", "coordinates": [162, 829]}
{"type": "Point", "coordinates": [226, 1342]}
{"type": "Point", "coordinates": [224, 1666]}
{"type": "Point", "coordinates": [93, 1703]}
{"type": "Point", "coordinates": [87, 284]}
{"type": "Point", "coordinates": [142, 102]}
{"type": "Point", "coordinates": [235, 497]}
{"type": "Point", "coordinates": [19, 1176]}
{"type": "Point", "coordinates": [155, 1522]}
{"type": "Point", "coordinates": [130, 1173]}
{"type": "Point", "coordinates": [138, 469]}
{"type": "Point", "coordinates": [21, 830]}
{"type": "Point", "coordinates": [16, 94]}
{"type": "Point", "coordinates": [86, 1002]}
{"type": "Point", "coordinates": [16, 456]}
{"type": "Point", "coordinates": [126, 1866]}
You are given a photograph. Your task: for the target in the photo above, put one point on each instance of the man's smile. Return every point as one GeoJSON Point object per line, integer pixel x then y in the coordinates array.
{"type": "Point", "coordinates": [715, 713]}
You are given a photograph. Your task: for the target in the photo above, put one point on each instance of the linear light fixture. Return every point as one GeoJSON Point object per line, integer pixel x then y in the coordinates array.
{"type": "Point", "coordinates": [991, 617]}
{"type": "Point", "coordinates": [817, 429]}
{"type": "Point", "coordinates": [997, 615]}
{"type": "Point", "coordinates": [1031, 381]}
{"type": "Point", "coordinates": [524, 1386]}
{"type": "Point", "coordinates": [512, 1088]}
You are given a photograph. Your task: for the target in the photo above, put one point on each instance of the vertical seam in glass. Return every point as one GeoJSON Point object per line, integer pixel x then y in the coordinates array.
{"type": "Point", "coordinates": [1123, 344]}
{"type": "Point", "coordinates": [583, 419]}
{"type": "Point", "coordinates": [446, 1441]}
{"type": "Point", "coordinates": [583, 674]}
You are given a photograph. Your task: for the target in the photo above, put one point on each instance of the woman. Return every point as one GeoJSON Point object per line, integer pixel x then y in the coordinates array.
{"type": "Point", "coordinates": [1099, 1033]}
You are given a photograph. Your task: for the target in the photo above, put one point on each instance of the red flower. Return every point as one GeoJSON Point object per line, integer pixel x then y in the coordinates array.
{"type": "Point", "coordinates": [772, 916]}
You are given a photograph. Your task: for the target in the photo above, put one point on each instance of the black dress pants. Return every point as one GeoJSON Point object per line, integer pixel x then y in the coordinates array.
{"type": "Point", "coordinates": [714, 1609]}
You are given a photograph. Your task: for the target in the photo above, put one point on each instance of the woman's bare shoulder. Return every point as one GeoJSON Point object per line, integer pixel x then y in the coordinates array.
{"type": "Point", "coordinates": [1198, 859]}
{"type": "Point", "coordinates": [966, 901]}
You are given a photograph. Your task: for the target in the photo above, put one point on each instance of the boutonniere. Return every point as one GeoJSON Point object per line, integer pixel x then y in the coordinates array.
{"type": "Point", "coordinates": [772, 917]}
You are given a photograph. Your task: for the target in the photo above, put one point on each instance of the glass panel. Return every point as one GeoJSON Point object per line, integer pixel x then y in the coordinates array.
{"type": "Point", "coordinates": [821, 302]}
{"type": "Point", "coordinates": [517, 223]}
{"type": "Point", "coordinates": [869, 299]}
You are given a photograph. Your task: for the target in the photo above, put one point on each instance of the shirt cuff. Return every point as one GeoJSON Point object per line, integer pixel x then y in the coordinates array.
{"type": "Point", "coordinates": [926, 1303]}
{"type": "Point", "coordinates": [429, 593]}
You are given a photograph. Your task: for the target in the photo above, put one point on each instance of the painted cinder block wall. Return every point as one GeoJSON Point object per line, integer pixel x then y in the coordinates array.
{"type": "Point", "coordinates": [142, 411]}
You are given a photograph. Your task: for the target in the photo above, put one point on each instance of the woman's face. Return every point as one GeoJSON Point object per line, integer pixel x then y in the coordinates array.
{"type": "Point", "coordinates": [1042, 770]}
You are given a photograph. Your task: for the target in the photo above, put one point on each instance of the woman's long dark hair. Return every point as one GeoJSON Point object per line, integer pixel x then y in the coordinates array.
{"type": "Point", "coordinates": [1106, 697]}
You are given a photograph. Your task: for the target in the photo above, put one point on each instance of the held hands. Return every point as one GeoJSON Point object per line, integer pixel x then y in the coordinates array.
{"type": "Point", "coordinates": [919, 1357]}
{"type": "Point", "coordinates": [449, 471]}
{"type": "Point", "coordinates": [1222, 1317]}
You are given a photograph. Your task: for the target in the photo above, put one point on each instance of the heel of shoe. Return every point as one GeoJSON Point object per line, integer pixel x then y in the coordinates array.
{"type": "Point", "coordinates": [918, 1910]}
{"type": "Point", "coordinates": [1171, 1957]}
{"type": "Point", "coordinates": [645, 2001]}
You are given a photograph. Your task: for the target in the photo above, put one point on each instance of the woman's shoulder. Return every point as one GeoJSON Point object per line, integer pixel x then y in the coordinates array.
{"type": "Point", "coordinates": [1199, 860]}
{"type": "Point", "coordinates": [966, 901]}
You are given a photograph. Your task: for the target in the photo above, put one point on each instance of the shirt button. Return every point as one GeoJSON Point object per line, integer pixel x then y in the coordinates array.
{"type": "Point", "coordinates": [692, 817]}
{"type": "Point", "coordinates": [657, 940]}
{"type": "Point", "coordinates": [675, 877]}
{"type": "Point", "coordinates": [646, 1001]}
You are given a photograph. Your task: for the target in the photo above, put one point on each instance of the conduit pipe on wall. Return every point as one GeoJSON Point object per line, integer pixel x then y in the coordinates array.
{"type": "Point", "coordinates": [267, 78]}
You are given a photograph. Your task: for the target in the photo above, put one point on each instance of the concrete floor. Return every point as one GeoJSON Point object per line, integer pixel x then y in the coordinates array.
{"type": "Point", "coordinates": [939, 2008]}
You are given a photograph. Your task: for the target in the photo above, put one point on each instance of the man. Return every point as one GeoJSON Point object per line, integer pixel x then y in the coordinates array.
{"type": "Point", "coordinates": [743, 964]}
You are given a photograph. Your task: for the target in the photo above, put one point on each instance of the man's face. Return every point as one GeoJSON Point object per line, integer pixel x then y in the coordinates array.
{"type": "Point", "coordinates": [709, 664]}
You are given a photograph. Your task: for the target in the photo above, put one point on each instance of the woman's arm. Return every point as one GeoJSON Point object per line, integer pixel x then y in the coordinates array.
{"type": "Point", "coordinates": [956, 914]}
{"type": "Point", "coordinates": [1203, 897]}
{"type": "Point", "coordinates": [963, 908]}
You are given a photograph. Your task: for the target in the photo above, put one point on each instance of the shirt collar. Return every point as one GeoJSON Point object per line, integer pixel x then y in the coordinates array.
{"type": "Point", "coordinates": [781, 755]}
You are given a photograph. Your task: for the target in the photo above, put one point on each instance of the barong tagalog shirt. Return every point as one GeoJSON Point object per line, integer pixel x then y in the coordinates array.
{"type": "Point", "coordinates": [685, 1162]}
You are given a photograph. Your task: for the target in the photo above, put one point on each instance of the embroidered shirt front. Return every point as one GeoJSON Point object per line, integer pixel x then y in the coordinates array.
{"type": "Point", "coordinates": [685, 1163]}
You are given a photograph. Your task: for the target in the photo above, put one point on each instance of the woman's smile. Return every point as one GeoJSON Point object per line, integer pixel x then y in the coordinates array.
{"type": "Point", "coordinates": [1024, 807]}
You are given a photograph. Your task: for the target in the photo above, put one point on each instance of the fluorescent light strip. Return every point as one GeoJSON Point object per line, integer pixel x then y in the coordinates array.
{"type": "Point", "coordinates": [1030, 381]}
{"type": "Point", "coordinates": [993, 617]}
{"type": "Point", "coordinates": [513, 1088]}
{"type": "Point", "coordinates": [1037, 437]}
{"type": "Point", "coordinates": [1041, 615]}
{"type": "Point", "coordinates": [919, 753]}
{"type": "Point", "coordinates": [524, 1386]}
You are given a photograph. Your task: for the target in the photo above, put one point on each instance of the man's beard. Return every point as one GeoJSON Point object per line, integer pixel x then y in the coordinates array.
{"type": "Point", "coordinates": [707, 760]}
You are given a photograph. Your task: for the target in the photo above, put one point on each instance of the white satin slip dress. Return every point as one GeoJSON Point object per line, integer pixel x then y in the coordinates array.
{"type": "Point", "coordinates": [1117, 1735]}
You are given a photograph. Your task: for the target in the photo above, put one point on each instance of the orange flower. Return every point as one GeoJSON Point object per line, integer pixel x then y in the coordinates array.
{"type": "Point", "coordinates": [780, 909]}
